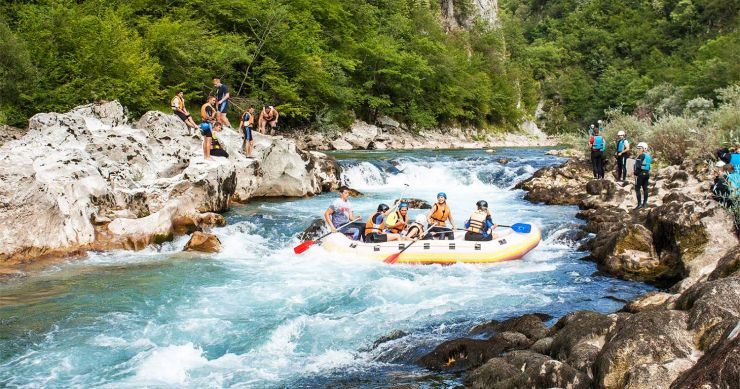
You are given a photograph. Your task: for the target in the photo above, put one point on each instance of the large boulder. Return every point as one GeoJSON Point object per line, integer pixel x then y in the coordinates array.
{"type": "Point", "coordinates": [526, 369]}
{"type": "Point", "coordinates": [462, 354]}
{"type": "Point", "coordinates": [647, 349]}
{"type": "Point", "coordinates": [719, 367]}
{"type": "Point", "coordinates": [579, 336]}
{"type": "Point", "coordinates": [560, 185]}
{"type": "Point", "coordinates": [88, 180]}
{"type": "Point", "coordinates": [728, 265]}
{"type": "Point", "coordinates": [202, 242]}
{"type": "Point", "coordinates": [711, 304]}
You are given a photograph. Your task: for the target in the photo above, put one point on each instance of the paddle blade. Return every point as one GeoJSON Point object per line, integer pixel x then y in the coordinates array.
{"type": "Point", "coordinates": [522, 228]}
{"type": "Point", "coordinates": [392, 258]}
{"type": "Point", "coordinates": [303, 246]}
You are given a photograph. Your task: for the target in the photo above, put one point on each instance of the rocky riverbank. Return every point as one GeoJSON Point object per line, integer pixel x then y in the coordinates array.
{"type": "Point", "coordinates": [686, 336]}
{"type": "Point", "coordinates": [388, 134]}
{"type": "Point", "coordinates": [89, 180]}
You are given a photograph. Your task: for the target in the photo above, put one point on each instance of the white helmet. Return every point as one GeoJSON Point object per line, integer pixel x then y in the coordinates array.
{"type": "Point", "coordinates": [421, 219]}
{"type": "Point", "coordinates": [599, 121]}
{"type": "Point", "coordinates": [620, 133]}
{"type": "Point", "coordinates": [642, 145]}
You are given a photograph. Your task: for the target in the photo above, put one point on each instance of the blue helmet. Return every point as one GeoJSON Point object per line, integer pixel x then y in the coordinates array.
{"type": "Point", "coordinates": [442, 194]}
{"type": "Point", "coordinates": [205, 126]}
{"type": "Point", "coordinates": [403, 205]}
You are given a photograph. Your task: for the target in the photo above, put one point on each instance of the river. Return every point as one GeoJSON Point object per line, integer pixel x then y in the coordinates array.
{"type": "Point", "coordinates": [258, 316]}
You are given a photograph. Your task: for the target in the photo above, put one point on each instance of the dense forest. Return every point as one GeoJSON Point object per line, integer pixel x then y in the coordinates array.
{"type": "Point", "coordinates": [324, 62]}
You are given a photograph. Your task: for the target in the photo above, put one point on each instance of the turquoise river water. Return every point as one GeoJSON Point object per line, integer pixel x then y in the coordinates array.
{"type": "Point", "coordinates": [258, 316]}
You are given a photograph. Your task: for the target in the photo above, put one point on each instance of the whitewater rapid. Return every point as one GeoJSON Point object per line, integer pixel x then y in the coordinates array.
{"type": "Point", "coordinates": [256, 315]}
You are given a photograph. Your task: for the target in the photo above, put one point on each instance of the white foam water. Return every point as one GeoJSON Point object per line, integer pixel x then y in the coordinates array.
{"type": "Point", "coordinates": [258, 316]}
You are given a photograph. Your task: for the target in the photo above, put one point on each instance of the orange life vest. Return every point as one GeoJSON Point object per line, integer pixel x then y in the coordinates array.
{"type": "Point", "coordinates": [372, 228]}
{"type": "Point", "coordinates": [440, 214]}
{"type": "Point", "coordinates": [400, 218]}
{"type": "Point", "coordinates": [178, 103]}
{"type": "Point", "coordinates": [477, 221]}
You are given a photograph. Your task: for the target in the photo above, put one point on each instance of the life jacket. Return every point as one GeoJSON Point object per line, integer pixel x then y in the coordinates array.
{"type": "Point", "coordinates": [206, 111]}
{"type": "Point", "coordinates": [215, 144]}
{"type": "Point", "coordinates": [177, 103]}
{"type": "Point", "coordinates": [415, 226]}
{"type": "Point", "coordinates": [620, 145]}
{"type": "Point", "coordinates": [393, 219]}
{"type": "Point", "coordinates": [598, 143]}
{"type": "Point", "coordinates": [477, 221]}
{"type": "Point", "coordinates": [249, 119]}
{"type": "Point", "coordinates": [646, 161]}
{"type": "Point", "coordinates": [372, 228]}
{"type": "Point", "coordinates": [440, 214]}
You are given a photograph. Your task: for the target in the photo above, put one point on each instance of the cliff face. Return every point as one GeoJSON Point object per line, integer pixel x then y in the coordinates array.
{"type": "Point", "coordinates": [463, 13]}
{"type": "Point", "coordinates": [87, 180]}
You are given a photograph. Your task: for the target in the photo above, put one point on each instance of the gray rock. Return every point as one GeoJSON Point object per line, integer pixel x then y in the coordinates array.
{"type": "Point", "coordinates": [544, 372]}
{"type": "Point", "coordinates": [464, 353]}
{"type": "Point", "coordinates": [719, 367]}
{"type": "Point", "coordinates": [709, 304]}
{"type": "Point", "coordinates": [657, 338]}
{"type": "Point", "coordinates": [340, 144]}
{"type": "Point", "coordinates": [497, 373]}
{"type": "Point", "coordinates": [386, 121]}
{"type": "Point", "coordinates": [530, 325]}
{"type": "Point", "coordinates": [542, 346]}
{"type": "Point", "coordinates": [728, 265]}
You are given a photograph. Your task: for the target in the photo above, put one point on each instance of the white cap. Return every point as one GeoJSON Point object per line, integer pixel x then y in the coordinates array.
{"type": "Point", "coordinates": [599, 121]}
{"type": "Point", "coordinates": [620, 133]}
{"type": "Point", "coordinates": [642, 145]}
{"type": "Point", "coordinates": [421, 219]}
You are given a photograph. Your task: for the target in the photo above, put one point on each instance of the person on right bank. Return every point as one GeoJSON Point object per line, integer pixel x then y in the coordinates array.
{"type": "Point", "coordinates": [642, 174]}
{"type": "Point", "coordinates": [623, 151]}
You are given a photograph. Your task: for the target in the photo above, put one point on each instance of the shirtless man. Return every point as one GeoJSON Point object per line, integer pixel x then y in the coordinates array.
{"type": "Point", "coordinates": [269, 115]}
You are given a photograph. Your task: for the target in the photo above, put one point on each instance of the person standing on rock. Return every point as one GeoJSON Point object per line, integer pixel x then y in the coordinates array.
{"type": "Point", "coordinates": [246, 124]}
{"type": "Point", "coordinates": [268, 116]}
{"type": "Point", "coordinates": [623, 149]}
{"type": "Point", "coordinates": [222, 103]}
{"type": "Point", "coordinates": [206, 130]}
{"type": "Point", "coordinates": [438, 217]}
{"type": "Point", "coordinates": [642, 174]}
{"type": "Point", "coordinates": [340, 213]}
{"type": "Point", "coordinates": [598, 145]}
{"type": "Point", "coordinates": [178, 108]}
{"type": "Point", "coordinates": [207, 110]}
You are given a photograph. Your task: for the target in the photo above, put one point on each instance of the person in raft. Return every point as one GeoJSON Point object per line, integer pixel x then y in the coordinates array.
{"type": "Point", "coordinates": [438, 217]}
{"type": "Point", "coordinates": [268, 116]}
{"type": "Point", "coordinates": [207, 110]}
{"type": "Point", "coordinates": [480, 226]}
{"type": "Point", "coordinates": [206, 130]}
{"type": "Point", "coordinates": [222, 101]}
{"type": "Point", "coordinates": [340, 213]}
{"type": "Point", "coordinates": [415, 230]}
{"type": "Point", "coordinates": [246, 124]}
{"type": "Point", "coordinates": [375, 231]}
{"type": "Point", "coordinates": [398, 220]}
{"type": "Point", "coordinates": [178, 108]}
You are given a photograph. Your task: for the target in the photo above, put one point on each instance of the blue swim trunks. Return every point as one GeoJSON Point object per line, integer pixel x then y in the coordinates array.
{"type": "Point", "coordinates": [248, 133]}
{"type": "Point", "coordinates": [205, 130]}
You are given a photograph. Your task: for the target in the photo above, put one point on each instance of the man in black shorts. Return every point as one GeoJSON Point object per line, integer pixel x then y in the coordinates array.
{"type": "Point", "coordinates": [222, 101]}
{"type": "Point", "coordinates": [178, 108]}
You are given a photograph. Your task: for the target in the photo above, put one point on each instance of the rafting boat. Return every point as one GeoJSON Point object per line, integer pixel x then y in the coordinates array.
{"type": "Point", "coordinates": [508, 245]}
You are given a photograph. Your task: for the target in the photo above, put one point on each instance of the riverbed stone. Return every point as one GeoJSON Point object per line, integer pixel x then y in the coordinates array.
{"type": "Point", "coordinates": [203, 242]}
{"type": "Point", "coordinates": [530, 325]}
{"type": "Point", "coordinates": [464, 353]}
{"type": "Point", "coordinates": [711, 304]}
{"type": "Point", "coordinates": [719, 367]}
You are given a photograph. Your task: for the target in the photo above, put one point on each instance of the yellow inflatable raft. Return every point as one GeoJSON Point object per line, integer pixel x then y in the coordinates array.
{"type": "Point", "coordinates": [508, 245]}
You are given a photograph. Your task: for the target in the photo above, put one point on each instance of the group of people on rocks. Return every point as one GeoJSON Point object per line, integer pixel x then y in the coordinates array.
{"type": "Point", "coordinates": [643, 161]}
{"type": "Point", "coordinates": [214, 119]}
{"type": "Point", "coordinates": [392, 223]}
{"type": "Point", "coordinates": [726, 186]}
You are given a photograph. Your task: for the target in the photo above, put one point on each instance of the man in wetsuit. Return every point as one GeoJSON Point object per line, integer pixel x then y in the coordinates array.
{"type": "Point", "coordinates": [222, 101]}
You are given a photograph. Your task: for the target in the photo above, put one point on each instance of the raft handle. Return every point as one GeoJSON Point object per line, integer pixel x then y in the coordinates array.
{"type": "Point", "coordinates": [452, 246]}
{"type": "Point", "coordinates": [477, 246]}
{"type": "Point", "coordinates": [401, 246]}
{"type": "Point", "coordinates": [376, 247]}
{"type": "Point", "coordinates": [427, 246]}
